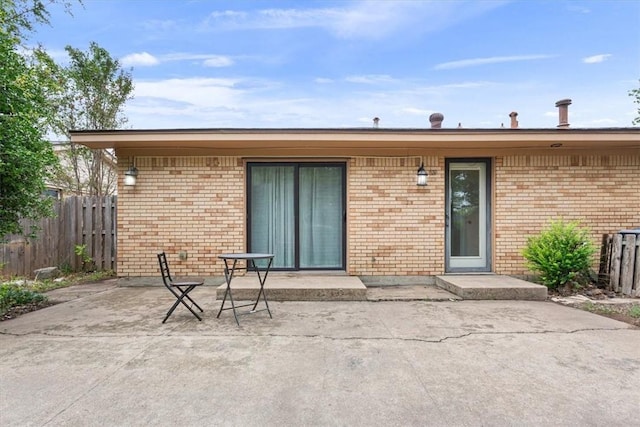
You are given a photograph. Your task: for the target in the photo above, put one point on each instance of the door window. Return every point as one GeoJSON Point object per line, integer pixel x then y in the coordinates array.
{"type": "Point", "coordinates": [468, 213]}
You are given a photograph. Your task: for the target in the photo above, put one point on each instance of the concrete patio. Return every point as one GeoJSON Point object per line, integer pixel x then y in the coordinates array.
{"type": "Point", "coordinates": [103, 357]}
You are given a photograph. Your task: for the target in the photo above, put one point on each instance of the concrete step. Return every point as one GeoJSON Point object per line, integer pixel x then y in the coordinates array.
{"type": "Point", "coordinates": [409, 293]}
{"type": "Point", "coordinates": [288, 287]}
{"type": "Point", "coordinates": [491, 287]}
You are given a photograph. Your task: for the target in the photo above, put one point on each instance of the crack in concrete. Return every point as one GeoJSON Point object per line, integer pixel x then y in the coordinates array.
{"type": "Point", "coordinates": [352, 338]}
{"type": "Point", "coordinates": [446, 338]}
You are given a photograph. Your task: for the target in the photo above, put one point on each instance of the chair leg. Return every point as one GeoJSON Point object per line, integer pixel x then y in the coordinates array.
{"type": "Point", "coordinates": [194, 303]}
{"type": "Point", "coordinates": [173, 307]}
{"type": "Point", "coordinates": [180, 299]}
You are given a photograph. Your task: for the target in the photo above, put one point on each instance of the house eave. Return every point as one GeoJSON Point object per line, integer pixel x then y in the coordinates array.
{"type": "Point", "coordinates": [354, 142]}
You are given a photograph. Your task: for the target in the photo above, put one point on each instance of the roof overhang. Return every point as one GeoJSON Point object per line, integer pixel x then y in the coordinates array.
{"type": "Point", "coordinates": [360, 142]}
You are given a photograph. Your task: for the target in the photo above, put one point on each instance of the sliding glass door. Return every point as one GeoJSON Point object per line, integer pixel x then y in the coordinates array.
{"type": "Point", "coordinates": [297, 212]}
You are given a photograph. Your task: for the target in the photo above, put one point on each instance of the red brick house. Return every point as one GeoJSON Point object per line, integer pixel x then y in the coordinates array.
{"type": "Point", "coordinates": [347, 199]}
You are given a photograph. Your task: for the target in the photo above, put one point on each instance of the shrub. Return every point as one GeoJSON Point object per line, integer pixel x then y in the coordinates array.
{"type": "Point", "coordinates": [12, 295]}
{"type": "Point", "coordinates": [560, 254]}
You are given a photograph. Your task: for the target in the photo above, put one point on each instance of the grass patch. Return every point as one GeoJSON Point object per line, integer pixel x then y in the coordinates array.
{"type": "Point", "coordinates": [597, 308]}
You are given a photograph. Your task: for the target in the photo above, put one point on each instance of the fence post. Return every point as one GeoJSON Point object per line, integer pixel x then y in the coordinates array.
{"type": "Point", "coordinates": [98, 236]}
{"type": "Point", "coordinates": [628, 259]}
{"type": "Point", "coordinates": [78, 238]}
{"type": "Point", "coordinates": [605, 260]}
{"type": "Point", "coordinates": [616, 254]}
{"type": "Point", "coordinates": [636, 277]}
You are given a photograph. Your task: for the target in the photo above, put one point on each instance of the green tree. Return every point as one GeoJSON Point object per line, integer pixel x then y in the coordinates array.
{"type": "Point", "coordinates": [635, 94]}
{"type": "Point", "coordinates": [96, 89]}
{"type": "Point", "coordinates": [26, 81]}
{"type": "Point", "coordinates": [18, 18]}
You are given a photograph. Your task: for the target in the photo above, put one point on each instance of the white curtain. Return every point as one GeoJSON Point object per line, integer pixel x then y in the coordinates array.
{"type": "Point", "coordinates": [272, 213]}
{"type": "Point", "coordinates": [321, 211]}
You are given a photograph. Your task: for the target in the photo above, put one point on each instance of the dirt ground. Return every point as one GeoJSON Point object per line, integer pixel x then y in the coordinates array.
{"type": "Point", "coordinates": [624, 312]}
{"type": "Point", "coordinates": [14, 312]}
{"type": "Point", "coordinates": [602, 302]}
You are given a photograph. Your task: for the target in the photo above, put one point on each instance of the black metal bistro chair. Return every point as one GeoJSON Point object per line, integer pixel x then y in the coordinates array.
{"type": "Point", "coordinates": [179, 289]}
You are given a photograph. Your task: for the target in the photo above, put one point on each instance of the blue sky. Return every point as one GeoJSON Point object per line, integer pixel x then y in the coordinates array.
{"type": "Point", "coordinates": [272, 64]}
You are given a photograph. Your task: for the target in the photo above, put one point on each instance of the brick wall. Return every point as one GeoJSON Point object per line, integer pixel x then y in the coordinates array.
{"type": "Point", "coordinates": [394, 226]}
{"type": "Point", "coordinates": [197, 205]}
{"type": "Point", "coordinates": [602, 192]}
{"type": "Point", "coordinates": [192, 204]}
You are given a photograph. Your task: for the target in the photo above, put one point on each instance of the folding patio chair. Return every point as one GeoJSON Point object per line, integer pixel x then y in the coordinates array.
{"type": "Point", "coordinates": [179, 289]}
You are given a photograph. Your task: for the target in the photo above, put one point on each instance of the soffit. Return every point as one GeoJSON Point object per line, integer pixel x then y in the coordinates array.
{"type": "Point", "coordinates": [354, 142]}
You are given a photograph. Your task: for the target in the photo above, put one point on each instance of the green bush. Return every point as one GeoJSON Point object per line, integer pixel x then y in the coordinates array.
{"type": "Point", "coordinates": [560, 254]}
{"type": "Point", "coordinates": [12, 295]}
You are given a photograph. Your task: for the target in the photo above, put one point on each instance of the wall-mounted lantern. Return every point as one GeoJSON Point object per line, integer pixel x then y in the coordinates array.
{"type": "Point", "coordinates": [422, 176]}
{"type": "Point", "coordinates": [130, 176]}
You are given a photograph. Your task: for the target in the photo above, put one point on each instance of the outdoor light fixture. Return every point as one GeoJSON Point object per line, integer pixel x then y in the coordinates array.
{"type": "Point", "coordinates": [422, 176]}
{"type": "Point", "coordinates": [130, 176]}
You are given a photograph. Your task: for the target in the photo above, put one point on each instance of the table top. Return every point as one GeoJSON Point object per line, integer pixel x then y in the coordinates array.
{"type": "Point", "coordinates": [245, 256]}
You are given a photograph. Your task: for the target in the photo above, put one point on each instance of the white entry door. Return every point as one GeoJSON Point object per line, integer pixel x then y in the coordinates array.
{"type": "Point", "coordinates": [468, 216]}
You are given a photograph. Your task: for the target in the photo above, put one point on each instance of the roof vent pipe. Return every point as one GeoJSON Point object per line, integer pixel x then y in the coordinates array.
{"type": "Point", "coordinates": [514, 120]}
{"type": "Point", "coordinates": [563, 112]}
{"type": "Point", "coordinates": [376, 121]}
{"type": "Point", "coordinates": [436, 120]}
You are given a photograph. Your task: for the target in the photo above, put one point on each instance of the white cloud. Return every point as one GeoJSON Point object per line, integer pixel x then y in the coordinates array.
{"type": "Point", "coordinates": [595, 59]}
{"type": "Point", "coordinates": [605, 122]}
{"type": "Point", "coordinates": [370, 79]}
{"type": "Point", "coordinates": [160, 25]}
{"type": "Point", "coordinates": [367, 120]}
{"type": "Point", "coordinates": [58, 55]}
{"type": "Point", "coordinates": [208, 60]}
{"type": "Point", "coordinates": [361, 19]}
{"type": "Point", "coordinates": [145, 59]}
{"type": "Point", "coordinates": [579, 9]}
{"type": "Point", "coordinates": [417, 111]}
{"type": "Point", "coordinates": [256, 103]}
{"type": "Point", "coordinates": [218, 61]}
{"type": "Point", "coordinates": [268, 19]}
{"type": "Point", "coordinates": [323, 80]}
{"type": "Point", "coordinates": [142, 59]}
{"type": "Point", "coordinates": [189, 89]}
{"type": "Point", "coordinates": [464, 63]}
{"type": "Point", "coordinates": [467, 85]}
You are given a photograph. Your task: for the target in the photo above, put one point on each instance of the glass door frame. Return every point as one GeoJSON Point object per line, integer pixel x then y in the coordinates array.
{"type": "Point", "coordinates": [488, 221]}
{"type": "Point", "coordinates": [296, 190]}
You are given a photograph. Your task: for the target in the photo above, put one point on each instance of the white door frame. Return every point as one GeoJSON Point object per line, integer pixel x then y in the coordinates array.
{"type": "Point", "coordinates": [482, 261]}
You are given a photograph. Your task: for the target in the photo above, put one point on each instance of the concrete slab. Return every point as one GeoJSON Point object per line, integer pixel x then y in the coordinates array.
{"type": "Point", "coordinates": [74, 292]}
{"type": "Point", "coordinates": [491, 287]}
{"type": "Point", "coordinates": [410, 293]}
{"type": "Point", "coordinates": [106, 359]}
{"type": "Point", "coordinates": [298, 287]}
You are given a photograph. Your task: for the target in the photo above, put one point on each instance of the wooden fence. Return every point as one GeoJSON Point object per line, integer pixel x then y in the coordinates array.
{"type": "Point", "coordinates": [620, 262]}
{"type": "Point", "coordinates": [88, 221]}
